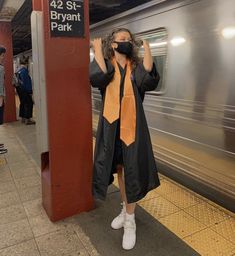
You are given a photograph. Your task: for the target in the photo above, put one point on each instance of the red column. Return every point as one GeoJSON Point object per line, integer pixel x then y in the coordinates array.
{"type": "Point", "coordinates": [37, 5]}
{"type": "Point", "coordinates": [6, 41]}
{"type": "Point", "coordinates": [67, 167]}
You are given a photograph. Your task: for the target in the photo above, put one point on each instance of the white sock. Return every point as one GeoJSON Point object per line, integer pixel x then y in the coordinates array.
{"type": "Point", "coordinates": [124, 206]}
{"type": "Point", "coordinates": [130, 216]}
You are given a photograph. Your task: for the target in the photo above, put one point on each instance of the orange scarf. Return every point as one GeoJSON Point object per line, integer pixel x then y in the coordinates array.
{"type": "Point", "coordinates": [128, 108]}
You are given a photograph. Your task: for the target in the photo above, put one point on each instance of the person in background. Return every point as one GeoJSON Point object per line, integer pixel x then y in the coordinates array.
{"type": "Point", "coordinates": [2, 92]}
{"type": "Point", "coordinates": [25, 91]}
{"type": "Point", "coordinates": [123, 144]}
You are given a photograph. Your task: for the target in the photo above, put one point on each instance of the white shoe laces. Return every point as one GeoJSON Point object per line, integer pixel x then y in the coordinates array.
{"type": "Point", "coordinates": [129, 225]}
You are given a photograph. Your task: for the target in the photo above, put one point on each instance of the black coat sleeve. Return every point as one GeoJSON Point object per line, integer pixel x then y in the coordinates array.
{"type": "Point", "coordinates": [146, 81]}
{"type": "Point", "coordinates": [98, 78]}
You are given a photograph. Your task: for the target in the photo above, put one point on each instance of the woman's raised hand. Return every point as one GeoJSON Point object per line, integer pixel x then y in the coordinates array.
{"type": "Point", "coordinates": [146, 44]}
{"type": "Point", "coordinates": [96, 44]}
{"type": "Point", "coordinates": [99, 57]}
{"type": "Point", "coordinates": [148, 60]}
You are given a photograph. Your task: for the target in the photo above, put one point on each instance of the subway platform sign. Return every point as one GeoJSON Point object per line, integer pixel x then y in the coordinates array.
{"type": "Point", "coordinates": [66, 18]}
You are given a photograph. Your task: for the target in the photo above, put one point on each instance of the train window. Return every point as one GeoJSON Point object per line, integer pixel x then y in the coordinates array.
{"type": "Point", "coordinates": [158, 42]}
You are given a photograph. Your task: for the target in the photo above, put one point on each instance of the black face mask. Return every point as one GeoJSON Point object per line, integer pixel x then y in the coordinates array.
{"type": "Point", "coordinates": [124, 48]}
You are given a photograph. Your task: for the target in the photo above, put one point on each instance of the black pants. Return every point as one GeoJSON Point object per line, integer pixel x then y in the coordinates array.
{"type": "Point", "coordinates": [26, 103]}
{"type": "Point", "coordinates": [1, 114]}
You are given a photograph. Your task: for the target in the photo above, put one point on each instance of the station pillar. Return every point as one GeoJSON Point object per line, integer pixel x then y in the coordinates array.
{"type": "Point", "coordinates": [67, 165]}
{"type": "Point", "coordinates": [6, 41]}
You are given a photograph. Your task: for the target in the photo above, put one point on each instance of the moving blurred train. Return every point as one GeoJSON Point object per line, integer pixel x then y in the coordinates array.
{"type": "Point", "coordinates": [191, 115]}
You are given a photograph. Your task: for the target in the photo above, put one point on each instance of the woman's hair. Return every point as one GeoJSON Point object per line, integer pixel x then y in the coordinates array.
{"type": "Point", "coordinates": [2, 49]}
{"type": "Point", "coordinates": [110, 38]}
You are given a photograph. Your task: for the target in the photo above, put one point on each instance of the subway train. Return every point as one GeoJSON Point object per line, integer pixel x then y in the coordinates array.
{"type": "Point", "coordinates": [191, 114]}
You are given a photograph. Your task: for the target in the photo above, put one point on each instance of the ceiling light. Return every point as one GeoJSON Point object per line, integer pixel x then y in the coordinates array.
{"type": "Point", "coordinates": [228, 32]}
{"type": "Point", "coordinates": [176, 41]}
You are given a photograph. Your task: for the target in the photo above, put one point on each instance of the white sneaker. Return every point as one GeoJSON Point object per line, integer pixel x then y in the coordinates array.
{"type": "Point", "coordinates": [118, 222]}
{"type": "Point", "coordinates": [129, 236]}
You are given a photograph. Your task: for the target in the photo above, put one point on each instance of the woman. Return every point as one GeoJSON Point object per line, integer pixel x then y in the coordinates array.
{"type": "Point", "coordinates": [123, 143]}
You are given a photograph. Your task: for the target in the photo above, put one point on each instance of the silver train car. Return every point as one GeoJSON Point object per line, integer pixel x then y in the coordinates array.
{"type": "Point", "coordinates": [191, 115]}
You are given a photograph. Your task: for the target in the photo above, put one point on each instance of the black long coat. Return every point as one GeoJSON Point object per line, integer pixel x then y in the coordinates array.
{"type": "Point", "coordinates": [139, 164]}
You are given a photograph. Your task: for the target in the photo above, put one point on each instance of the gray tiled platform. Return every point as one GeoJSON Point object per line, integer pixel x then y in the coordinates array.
{"type": "Point", "coordinates": [25, 229]}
